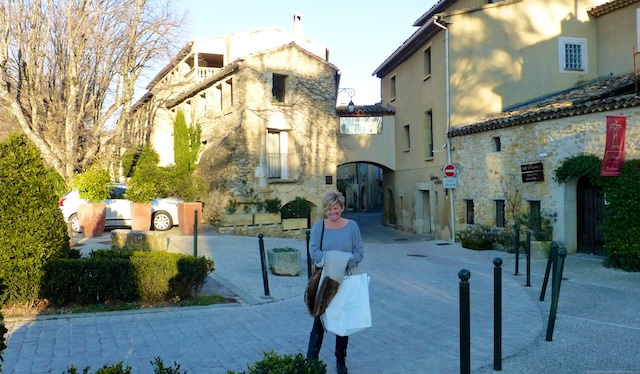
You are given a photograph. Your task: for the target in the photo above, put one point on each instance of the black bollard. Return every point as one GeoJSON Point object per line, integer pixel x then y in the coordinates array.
{"type": "Point", "coordinates": [497, 314]}
{"type": "Point", "coordinates": [465, 322]}
{"type": "Point", "coordinates": [528, 284]}
{"type": "Point", "coordinates": [555, 293]}
{"type": "Point", "coordinates": [265, 277]}
{"type": "Point", "coordinates": [308, 232]}
{"type": "Point", "coordinates": [553, 257]}
{"type": "Point", "coordinates": [195, 233]}
{"type": "Point", "coordinates": [517, 228]}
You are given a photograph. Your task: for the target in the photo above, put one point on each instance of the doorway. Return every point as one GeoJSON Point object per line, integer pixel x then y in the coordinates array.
{"type": "Point", "coordinates": [590, 214]}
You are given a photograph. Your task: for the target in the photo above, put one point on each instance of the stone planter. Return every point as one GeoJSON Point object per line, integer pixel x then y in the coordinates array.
{"type": "Point", "coordinates": [294, 223]}
{"type": "Point", "coordinates": [92, 219]}
{"type": "Point", "coordinates": [266, 218]}
{"type": "Point", "coordinates": [140, 216]}
{"type": "Point", "coordinates": [284, 261]}
{"type": "Point", "coordinates": [540, 249]}
{"type": "Point", "coordinates": [236, 220]}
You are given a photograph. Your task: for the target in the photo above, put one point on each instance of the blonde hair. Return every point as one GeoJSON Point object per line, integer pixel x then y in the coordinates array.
{"type": "Point", "coordinates": [331, 198]}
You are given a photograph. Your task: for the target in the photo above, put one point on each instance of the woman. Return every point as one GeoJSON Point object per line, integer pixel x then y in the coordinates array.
{"type": "Point", "coordinates": [335, 233]}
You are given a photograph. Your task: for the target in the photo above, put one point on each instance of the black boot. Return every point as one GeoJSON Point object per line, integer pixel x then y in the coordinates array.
{"type": "Point", "coordinates": [342, 366]}
{"type": "Point", "coordinates": [315, 340]}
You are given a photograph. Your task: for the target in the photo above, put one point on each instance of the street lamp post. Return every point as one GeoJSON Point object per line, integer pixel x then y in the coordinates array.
{"type": "Point", "coordinates": [351, 92]}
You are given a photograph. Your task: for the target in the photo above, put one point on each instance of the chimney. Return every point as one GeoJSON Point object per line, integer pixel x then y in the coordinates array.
{"type": "Point", "coordinates": [297, 27]}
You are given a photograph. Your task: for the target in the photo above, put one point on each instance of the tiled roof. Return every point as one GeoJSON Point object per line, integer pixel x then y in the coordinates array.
{"type": "Point", "coordinates": [609, 6]}
{"type": "Point", "coordinates": [437, 8]}
{"type": "Point", "coordinates": [366, 110]}
{"type": "Point", "coordinates": [598, 96]}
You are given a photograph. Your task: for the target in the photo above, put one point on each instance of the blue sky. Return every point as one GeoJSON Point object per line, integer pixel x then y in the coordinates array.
{"type": "Point", "coordinates": [360, 34]}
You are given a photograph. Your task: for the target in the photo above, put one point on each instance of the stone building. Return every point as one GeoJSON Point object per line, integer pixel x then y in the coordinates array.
{"type": "Point", "coordinates": [472, 60]}
{"type": "Point", "coordinates": [523, 146]}
{"type": "Point", "coordinates": [266, 103]}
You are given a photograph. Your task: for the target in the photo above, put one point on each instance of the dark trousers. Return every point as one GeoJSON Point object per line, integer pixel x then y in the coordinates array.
{"type": "Point", "coordinates": [315, 342]}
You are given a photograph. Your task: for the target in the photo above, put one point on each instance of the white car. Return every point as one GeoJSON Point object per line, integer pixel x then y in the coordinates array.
{"type": "Point", "coordinates": [164, 210]}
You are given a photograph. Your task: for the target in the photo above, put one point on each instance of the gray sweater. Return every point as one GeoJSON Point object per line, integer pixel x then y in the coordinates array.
{"type": "Point", "coordinates": [345, 239]}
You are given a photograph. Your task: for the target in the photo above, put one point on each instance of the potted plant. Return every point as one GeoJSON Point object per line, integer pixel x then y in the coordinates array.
{"type": "Point", "coordinates": [272, 215]}
{"type": "Point", "coordinates": [141, 189]}
{"type": "Point", "coordinates": [94, 186]}
{"type": "Point", "coordinates": [284, 261]}
{"type": "Point", "coordinates": [541, 228]}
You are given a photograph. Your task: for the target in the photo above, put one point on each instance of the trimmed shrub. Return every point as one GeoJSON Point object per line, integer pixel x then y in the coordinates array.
{"type": "Point", "coordinates": [162, 275]}
{"type": "Point", "coordinates": [32, 229]}
{"type": "Point", "coordinates": [285, 364]}
{"type": "Point", "coordinates": [112, 275]}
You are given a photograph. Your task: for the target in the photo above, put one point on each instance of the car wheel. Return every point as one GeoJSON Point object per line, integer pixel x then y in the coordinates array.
{"type": "Point", "coordinates": [162, 221]}
{"type": "Point", "coordinates": [75, 224]}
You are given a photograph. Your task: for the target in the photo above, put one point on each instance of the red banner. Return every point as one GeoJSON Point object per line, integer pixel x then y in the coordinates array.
{"type": "Point", "coordinates": [614, 148]}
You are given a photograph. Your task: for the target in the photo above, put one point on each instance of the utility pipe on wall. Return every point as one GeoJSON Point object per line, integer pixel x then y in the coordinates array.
{"type": "Point", "coordinates": [448, 106]}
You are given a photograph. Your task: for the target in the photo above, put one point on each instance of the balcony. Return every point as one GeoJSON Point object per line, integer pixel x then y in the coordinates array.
{"type": "Point", "coordinates": [200, 74]}
{"type": "Point", "coordinates": [283, 166]}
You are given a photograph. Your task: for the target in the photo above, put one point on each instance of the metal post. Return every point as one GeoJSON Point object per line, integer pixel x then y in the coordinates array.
{"type": "Point", "coordinates": [308, 232]}
{"type": "Point", "coordinates": [497, 314]}
{"type": "Point", "coordinates": [555, 293]}
{"type": "Point", "coordinates": [465, 322]}
{"type": "Point", "coordinates": [265, 277]}
{"type": "Point", "coordinates": [195, 233]}
{"type": "Point", "coordinates": [517, 228]}
{"type": "Point", "coordinates": [553, 256]}
{"type": "Point", "coordinates": [528, 259]}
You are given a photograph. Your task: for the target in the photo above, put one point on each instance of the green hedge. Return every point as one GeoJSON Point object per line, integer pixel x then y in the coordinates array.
{"type": "Point", "coordinates": [32, 229]}
{"type": "Point", "coordinates": [621, 235]}
{"type": "Point", "coordinates": [109, 276]}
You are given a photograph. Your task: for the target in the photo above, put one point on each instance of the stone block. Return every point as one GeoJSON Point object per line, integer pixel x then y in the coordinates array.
{"type": "Point", "coordinates": [139, 240]}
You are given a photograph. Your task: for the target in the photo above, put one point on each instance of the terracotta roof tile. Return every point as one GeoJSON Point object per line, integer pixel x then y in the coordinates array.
{"type": "Point", "coordinates": [598, 96]}
{"type": "Point", "coordinates": [366, 110]}
{"type": "Point", "coordinates": [609, 6]}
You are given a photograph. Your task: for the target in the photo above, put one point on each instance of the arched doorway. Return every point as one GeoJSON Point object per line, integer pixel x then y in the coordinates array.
{"type": "Point", "coordinates": [590, 214]}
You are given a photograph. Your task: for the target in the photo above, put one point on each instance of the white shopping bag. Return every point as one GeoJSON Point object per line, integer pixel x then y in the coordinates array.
{"type": "Point", "coordinates": [349, 311]}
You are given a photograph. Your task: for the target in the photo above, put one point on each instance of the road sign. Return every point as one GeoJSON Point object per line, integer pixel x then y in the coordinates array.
{"type": "Point", "coordinates": [449, 171]}
{"type": "Point", "coordinates": [450, 182]}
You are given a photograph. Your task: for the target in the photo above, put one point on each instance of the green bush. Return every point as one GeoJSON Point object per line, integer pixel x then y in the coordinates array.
{"type": "Point", "coordinates": [88, 281]}
{"type": "Point", "coordinates": [3, 330]}
{"type": "Point", "coordinates": [272, 363]}
{"type": "Point", "coordinates": [127, 276]}
{"type": "Point", "coordinates": [158, 368]}
{"type": "Point", "coordinates": [622, 238]}
{"type": "Point", "coordinates": [272, 205]}
{"type": "Point", "coordinates": [158, 276]}
{"type": "Point", "coordinates": [93, 184]}
{"type": "Point", "coordinates": [32, 229]}
{"type": "Point", "coordinates": [298, 208]}
{"type": "Point", "coordinates": [478, 237]}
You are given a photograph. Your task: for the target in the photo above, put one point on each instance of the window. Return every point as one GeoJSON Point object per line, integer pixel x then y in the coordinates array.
{"type": "Point", "coordinates": [573, 55]}
{"type": "Point", "coordinates": [497, 146]}
{"type": "Point", "coordinates": [219, 98]}
{"type": "Point", "coordinates": [500, 218]}
{"type": "Point", "coordinates": [407, 138]}
{"type": "Point", "coordinates": [230, 98]}
{"type": "Point", "coordinates": [428, 130]}
{"type": "Point", "coordinates": [427, 63]}
{"type": "Point", "coordinates": [392, 87]}
{"type": "Point", "coordinates": [470, 211]}
{"type": "Point", "coordinates": [277, 156]}
{"type": "Point", "coordinates": [535, 215]}
{"type": "Point", "coordinates": [278, 90]}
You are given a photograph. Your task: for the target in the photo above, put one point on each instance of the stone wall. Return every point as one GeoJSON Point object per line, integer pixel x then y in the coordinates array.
{"type": "Point", "coordinates": [481, 169]}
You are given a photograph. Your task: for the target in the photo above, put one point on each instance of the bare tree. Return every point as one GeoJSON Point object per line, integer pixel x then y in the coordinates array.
{"type": "Point", "coordinates": [69, 69]}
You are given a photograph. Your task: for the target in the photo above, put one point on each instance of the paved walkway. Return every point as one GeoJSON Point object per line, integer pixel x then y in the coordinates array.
{"type": "Point", "coordinates": [414, 300]}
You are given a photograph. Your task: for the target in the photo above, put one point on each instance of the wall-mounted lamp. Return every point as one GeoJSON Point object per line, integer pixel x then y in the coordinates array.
{"type": "Point", "coordinates": [351, 92]}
